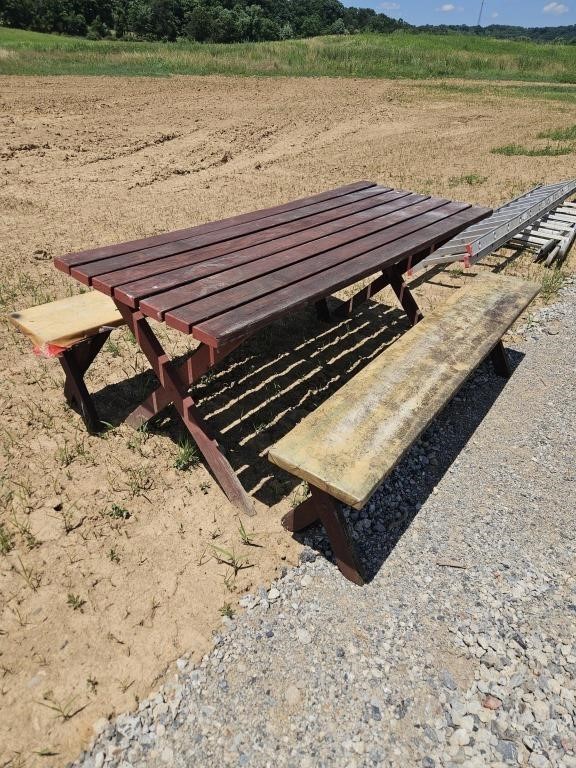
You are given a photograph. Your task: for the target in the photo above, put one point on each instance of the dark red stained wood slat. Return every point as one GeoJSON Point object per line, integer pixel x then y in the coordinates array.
{"type": "Point", "coordinates": [65, 263]}
{"type": "Point", "coordinates": [85, 272]}
{"type": "Point", "coordinates": [341, 246]}
{"type": "Point", "coordinates": [316, 238]}
{"type": "Point", "coordinates": [115, 283]}
{"type": "Point", "coordinates": [260, 312]}
{"type": "Point", "coordinates": [188, 315]}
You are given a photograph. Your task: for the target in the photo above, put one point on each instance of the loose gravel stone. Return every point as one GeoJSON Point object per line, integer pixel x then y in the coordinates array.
{"type": "Point", "coordinates": [459, 652]}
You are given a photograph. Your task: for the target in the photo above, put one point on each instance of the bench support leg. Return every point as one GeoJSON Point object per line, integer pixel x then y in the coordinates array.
{"type": "Point", "coordinates": [320, 506]}
{"type": "Point", "coordinates": [75, 361]}
{"type": "Point", "coordinates": [500, 361]}
{"type": "Point", "coordinates": [173, 389]}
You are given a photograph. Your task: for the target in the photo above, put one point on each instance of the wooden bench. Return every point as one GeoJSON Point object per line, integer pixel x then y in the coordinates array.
{"type": "Point", "coordinates": [347, 447]}
{"type": "Point", "coordinates": [74, 330]}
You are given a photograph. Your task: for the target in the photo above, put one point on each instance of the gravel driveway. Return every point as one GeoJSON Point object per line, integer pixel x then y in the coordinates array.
{"type": "Point", "coordinates": [460, 652]}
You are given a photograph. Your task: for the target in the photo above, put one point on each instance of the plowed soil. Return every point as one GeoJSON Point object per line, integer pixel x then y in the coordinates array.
{"type": "Point", "coordinates": [108, 571]}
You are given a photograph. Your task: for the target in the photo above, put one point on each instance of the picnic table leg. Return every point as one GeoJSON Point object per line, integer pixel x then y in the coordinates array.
{"type": "Point", "coordinates": [347, 307]}
{"type": "Point", "coordinates": [404, 296]}
{"type": "Point", "coordinates": [321, 506]}
{"type": "Point", "coordinates": [323, 311]}
{"type": "Point", "coordinates": [189, 371]}
{"type": "Point", "coordinates": [75, 361]}
{"type": "Point", "coordinates": [177, 393]}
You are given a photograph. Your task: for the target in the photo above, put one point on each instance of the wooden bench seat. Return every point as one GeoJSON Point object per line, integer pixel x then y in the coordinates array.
{"type": "Point", "coordinates": [347, 447]}
{"type": "Point", "coordinates": [74, 330]}
{"type": "Point", "coordinates": [63, 323]}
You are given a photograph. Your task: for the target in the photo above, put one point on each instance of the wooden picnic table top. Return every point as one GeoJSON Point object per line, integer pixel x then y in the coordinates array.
{"type": "Point", "coordinates": [223, 280]}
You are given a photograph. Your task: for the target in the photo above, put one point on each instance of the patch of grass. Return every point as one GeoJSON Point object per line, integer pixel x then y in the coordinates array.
{"type": "Point", "coordinates": [552, 281]}
{"type": "Point", "coordinates": [518, 149]}
{"type": "Point", "coordinates": [69, 522]}
{"type": "Point", "coordinates": [25, 531]}
{"type": "Point", "coordinates": [230, 558]}
{"type": "Point", "coordinates": [546, 92]}
{"type": "Point", "coordinates": [227, 610]}
{"type": "Point", "coordinates": [32, 579]}
{"type": "Point", "coordinates": [560, 134]}
{"type": "Point", "coordinates": [75, 602]}
{"type": "Point", "coordinates": [125, 685]}
{"type": "Point", "coordinates": [6, 540]}
{"type": "Point", "coordinates": [187, 456]}
{"type": "Point", "coordinates": [401, 54]}
{"type": "Point", "coordinates": [139, 438]}
{"type": "Point", "coordinates": [138, 481]}
{"type": "Point", "coordinates": [112, 347]}
{"type": "Point", "coordinates": [114, 556]}
{"type": "Point", "coordinates": [66, 454]}
{"type": "Point", "coordinates": [247, 538]}
{"type": "Point", "coordinates": [472, 179]}
{"type": "Point", "coordinates": [64, 710]}
{"type": "Point", "coordinates": [118, 513]}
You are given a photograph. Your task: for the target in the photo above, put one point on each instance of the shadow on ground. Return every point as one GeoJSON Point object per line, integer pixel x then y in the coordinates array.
{"type": "Point", "coordinates": [286, 371]}
{"type": "Point", "coordinates": [268, 385]}
{"type": "Point", "coordinates": [411, 483]}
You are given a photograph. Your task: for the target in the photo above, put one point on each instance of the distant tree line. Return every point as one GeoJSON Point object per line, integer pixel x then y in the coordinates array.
{"type": "Point", "coordinates": [229, 21]}
{"type": "Point", "coordinates": [566, 34]}
{"type": "Point", "coordinates": [224, 21]}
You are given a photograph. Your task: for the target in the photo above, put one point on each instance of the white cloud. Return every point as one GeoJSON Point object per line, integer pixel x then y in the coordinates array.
{"type": "Point", "coordinates": [389, 6]}
{"type": "Point", "coordinates": [556, 8]}
{"type": "Point", "coordinates": [495, 15]}
{"type": "Point", "coordinates": [448, 8]}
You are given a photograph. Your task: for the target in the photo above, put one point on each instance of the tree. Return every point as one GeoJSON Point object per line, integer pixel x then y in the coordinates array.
{"type": "Point", "coordinates": [164, 19]}
{"type": "Point", "coordinates": [222, 21]}
{"type": "Point", "coordinates": [97, 30]}
{"type": "Point", "coordinates": [75, 25]}
{"type": "Point", "coordinates": [311, 26]}
{"type": "Point", "coordinates": [17, 13]}
{"type": "Point", "coordinates": [199, 24]}
{"type": "Point", "coordinates": [337, 28]}
{"type": "Point", "coordinates": [286, 31]}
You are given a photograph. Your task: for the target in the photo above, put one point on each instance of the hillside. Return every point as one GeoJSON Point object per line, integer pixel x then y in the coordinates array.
{"type": "Point", "coordinates": [400, 54]}
{"type": "Point", "coordinates": [565, 34]}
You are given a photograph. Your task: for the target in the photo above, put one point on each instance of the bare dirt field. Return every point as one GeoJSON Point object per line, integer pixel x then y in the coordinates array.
{"type": "Point", "coordinates": [108, 571]}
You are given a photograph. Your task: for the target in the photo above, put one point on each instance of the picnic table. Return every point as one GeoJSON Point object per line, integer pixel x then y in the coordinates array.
{"type": "Point", "coordinates": [221, 282]}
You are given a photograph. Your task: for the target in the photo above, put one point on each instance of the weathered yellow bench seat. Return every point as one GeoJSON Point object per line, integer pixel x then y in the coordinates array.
{"type": "Point", "coordinates": [73, 329]}
{"type": "Point", "coordinates": [65, 322]}
{"type": "Point", "coordinates": [347, 447]}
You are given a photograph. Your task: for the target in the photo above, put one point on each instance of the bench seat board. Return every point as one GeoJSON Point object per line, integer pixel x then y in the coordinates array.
{"type": "Point", "coordinates": [66, 322]}
{"type": "Point", "coordinates": [355, 438]}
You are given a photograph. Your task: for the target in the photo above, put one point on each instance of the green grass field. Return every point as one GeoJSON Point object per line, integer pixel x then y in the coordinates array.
{"type": "Point", "coordinates": [398, 55]}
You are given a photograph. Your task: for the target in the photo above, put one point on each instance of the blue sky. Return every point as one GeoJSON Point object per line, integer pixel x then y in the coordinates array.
{"type": "Point", "coordinates": [525, 13]}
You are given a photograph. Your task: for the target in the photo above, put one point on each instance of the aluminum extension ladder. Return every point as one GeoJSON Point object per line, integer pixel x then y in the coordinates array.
{"type": "Point", "coordinates": [539, 219]}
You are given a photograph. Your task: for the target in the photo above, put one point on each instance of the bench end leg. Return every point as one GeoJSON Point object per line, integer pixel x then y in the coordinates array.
{"type": "Point", "coordinates": [301, 517]}
{"type": "Point", "coordinates": [500, 361]}
{"type": "Point", "coordinates": [322, 507]}
{"type": "Point", "coordinates": [76, 393]}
